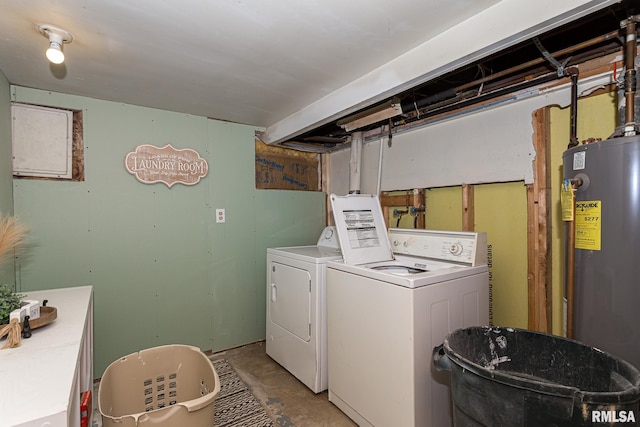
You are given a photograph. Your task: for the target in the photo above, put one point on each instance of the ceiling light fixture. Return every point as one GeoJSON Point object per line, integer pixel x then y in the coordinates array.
{"type": "Point", "coordinates": [57, 37]}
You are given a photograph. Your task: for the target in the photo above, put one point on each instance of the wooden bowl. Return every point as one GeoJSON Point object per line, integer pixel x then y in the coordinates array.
{"type": "Point", "coordinates": [47, 315]}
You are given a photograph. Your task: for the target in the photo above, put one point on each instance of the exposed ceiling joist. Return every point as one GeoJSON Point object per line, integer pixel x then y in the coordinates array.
{"type": "Point", "coordinates": [497, 28]}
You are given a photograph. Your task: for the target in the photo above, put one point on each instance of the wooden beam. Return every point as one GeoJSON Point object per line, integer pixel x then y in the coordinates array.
{"type": "Point", "coordinates": [419, 204]}
{"type": "Point", "coordinates": [397, 200]}
{"type": "Point", "coordinates": [385, 202]}
{"type": "Point", "coordinates": [468, 208]}
{"type": "Point", "coordinates": [538, 230]}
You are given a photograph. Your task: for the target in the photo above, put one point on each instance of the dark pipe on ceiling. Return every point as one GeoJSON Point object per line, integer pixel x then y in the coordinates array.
{"type": "Point", "coordinates": [416, 105]}
{"type": "Point", "coordinates": [419, 108]}
{"type": "Point", "coordinates": [613, 35]}
{"type": "Point", "coordinates": [481, 98]}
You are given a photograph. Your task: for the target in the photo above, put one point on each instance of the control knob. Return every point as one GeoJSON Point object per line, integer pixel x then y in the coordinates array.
{"type": "Point", "coordinates": [328, 233]}
{"type": "Point", "coordinates": [456, 249]}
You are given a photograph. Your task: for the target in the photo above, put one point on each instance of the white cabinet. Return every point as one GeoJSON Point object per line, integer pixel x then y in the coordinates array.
{"type": "Point", "coordinates": [42, 380]}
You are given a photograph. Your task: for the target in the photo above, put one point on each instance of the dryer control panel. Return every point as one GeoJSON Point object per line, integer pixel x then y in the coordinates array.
{"type": "Point", "coordinates": [329, 238]}
{"type": "Point", "coordinates": [468, 248]}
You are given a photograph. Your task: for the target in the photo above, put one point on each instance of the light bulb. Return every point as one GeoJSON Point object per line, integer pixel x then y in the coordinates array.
{"type": "Point", "coordinates": [54, 53]}
{"type": "Point", "coordinates": [57, 37]}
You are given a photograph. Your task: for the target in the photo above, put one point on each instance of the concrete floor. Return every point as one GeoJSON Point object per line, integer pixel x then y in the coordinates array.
{"type": "Point", "coordinates": [286, 399]}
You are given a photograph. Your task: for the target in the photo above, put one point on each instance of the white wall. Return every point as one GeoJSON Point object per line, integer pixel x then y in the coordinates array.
{"type": "Point", "coordinates": [491, 144]}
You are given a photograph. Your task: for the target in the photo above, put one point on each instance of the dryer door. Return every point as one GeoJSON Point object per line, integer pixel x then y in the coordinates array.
{"type": "Point", "coordinates": [290, 299]}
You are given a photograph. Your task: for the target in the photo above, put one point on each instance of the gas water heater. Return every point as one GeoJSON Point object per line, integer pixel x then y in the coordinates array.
{"type": "Point", "coordinates": [607, 245]}
{"type": "Point", "coordinates": [604, 237]}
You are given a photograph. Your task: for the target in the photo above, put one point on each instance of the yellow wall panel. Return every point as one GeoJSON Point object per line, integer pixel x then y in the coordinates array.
{"type": "Point", "coordinates": [444, 208]}
{"type": "Point", "coordinates": [501, 211]}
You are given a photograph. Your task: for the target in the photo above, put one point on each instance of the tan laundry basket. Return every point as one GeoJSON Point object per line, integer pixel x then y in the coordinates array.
{"type": "Point", "coordinates": [171, 385]}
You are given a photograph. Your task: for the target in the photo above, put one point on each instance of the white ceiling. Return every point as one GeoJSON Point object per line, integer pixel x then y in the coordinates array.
{"type": "Point", "coordinates": [286, 65]}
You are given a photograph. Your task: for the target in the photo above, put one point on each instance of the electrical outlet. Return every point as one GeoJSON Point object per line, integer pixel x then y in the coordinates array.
{"type": "Point", "coordinates": [220, 215]}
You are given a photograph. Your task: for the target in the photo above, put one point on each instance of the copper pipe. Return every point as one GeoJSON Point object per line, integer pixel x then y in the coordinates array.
{"type": "Point", "coordinates": [571, 263]}
{"type": "Point", "coordinates": [571, 280]}
{"type": "Point", "coordinates": [537, 61]}
{"type": "Point", "coordinates": [630, 74]}
{"type": "Point", "coordinates": [450, 94]}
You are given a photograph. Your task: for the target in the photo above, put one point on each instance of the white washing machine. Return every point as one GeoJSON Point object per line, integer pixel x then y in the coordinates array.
{"type": "Point", "coordinates": [389, 303]}
{"type": "Point", "coordinates": [296, 308]}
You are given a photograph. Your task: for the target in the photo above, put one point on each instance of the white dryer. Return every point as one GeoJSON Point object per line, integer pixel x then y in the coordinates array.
{"type": "Point", "coordinates": [296, 308]}
{"type": "Point", "coordinates": [390, 302]}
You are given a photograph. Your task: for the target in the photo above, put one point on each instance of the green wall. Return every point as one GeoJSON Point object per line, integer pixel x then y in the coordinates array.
{"type": "Point", "coordinates": [7, 274]}
{"type": "Point", "coordinates": [162, 269]}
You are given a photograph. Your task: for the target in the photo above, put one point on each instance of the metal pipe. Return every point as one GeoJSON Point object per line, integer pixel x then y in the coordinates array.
{"type": "Point", "coordinates": [571, 278]}
{"type": "Point", "coordinates": [605, 37]}
{"type": "Point", "coordinates": [355, 163]}
{"type": "Point", "coordinates": [487, 96]}
{"type": "Point", "coordinates": [630, 75]}
{"type": "Point", "coordinates": [573, 139]}
{"type": "Point", "coordinates": [416, 105]}
{"type": "Point", "coordinates": [571, 263]}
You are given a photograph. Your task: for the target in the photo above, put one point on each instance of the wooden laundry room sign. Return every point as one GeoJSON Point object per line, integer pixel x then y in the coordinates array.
{"type": "Point", "coordinates": [169, 165]}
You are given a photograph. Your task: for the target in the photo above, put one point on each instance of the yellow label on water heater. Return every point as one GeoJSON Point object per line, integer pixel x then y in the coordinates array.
{"type": "Point", "coordinates": [588, 224]}
{"type": "Point", "coordinates": [566, 200]}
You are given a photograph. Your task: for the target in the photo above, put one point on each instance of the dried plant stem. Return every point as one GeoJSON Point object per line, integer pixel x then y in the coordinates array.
{"type": "Point", "coordinates": [12, 236]}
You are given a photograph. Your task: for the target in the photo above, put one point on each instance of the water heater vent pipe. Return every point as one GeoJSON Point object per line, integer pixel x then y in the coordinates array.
{"type": "Point", "coordinates": [573, 139]}
{"type": "Point", "coordinates": [355, 163]}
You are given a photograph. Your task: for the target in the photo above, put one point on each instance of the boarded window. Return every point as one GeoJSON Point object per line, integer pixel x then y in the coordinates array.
{"type": "Point", "coordinates": [47, 142]}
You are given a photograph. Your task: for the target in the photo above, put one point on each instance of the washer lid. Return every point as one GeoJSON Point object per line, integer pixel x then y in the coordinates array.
{"type": "Point", "coordinates": [361, 229]}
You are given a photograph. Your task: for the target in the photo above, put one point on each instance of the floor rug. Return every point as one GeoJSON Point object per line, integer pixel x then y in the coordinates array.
{"type": "Point", "coordinates": [235, 405]}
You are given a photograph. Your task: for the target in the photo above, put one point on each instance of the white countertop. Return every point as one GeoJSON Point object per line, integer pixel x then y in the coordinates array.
{"type": "Point", "coordinates": [37, 378]}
